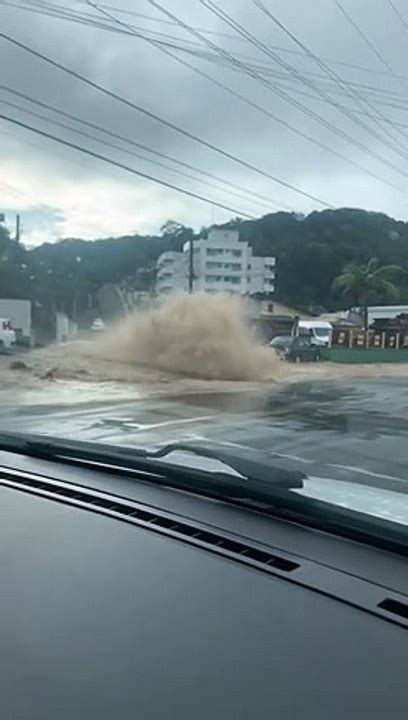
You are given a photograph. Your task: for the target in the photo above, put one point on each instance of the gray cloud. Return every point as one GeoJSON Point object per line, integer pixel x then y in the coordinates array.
{"type": "Point", "coordinates": [57, 177]}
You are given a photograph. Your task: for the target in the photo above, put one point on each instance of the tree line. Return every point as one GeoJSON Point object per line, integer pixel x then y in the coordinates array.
{"type": "Point", "coordinates": [311, 252]}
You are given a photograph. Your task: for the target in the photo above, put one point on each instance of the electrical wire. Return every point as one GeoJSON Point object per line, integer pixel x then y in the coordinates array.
{"type": "Point", "coordinates": [321, 120]}
{"type": "Point", "coordinates": [64, 13]}
{"type": "Point", "coordinates": [271, 115]}
{"type": "Point", "coordinates": [104, 143]}
{"type": "Point", "coordinates": [133, 143]}
{"type": "Point", "coordinates": [125, 101]}
{"type": "Point", "coordinates": [61, 12]}
{"type": "Point", "coordinates": [363, 36]}
{"type": "Point", "coordinates": [399, 15]}
{"type": "Point", "coordinates": [351, 92]}
{"type": "Point", "coordinates": [122, 166]}
{"type": "Point", "coordinates": [288, 98]}
{"type": "Point", "coordinates": [219, 34]}
{"type": "Point", "coordinates": [212, 7]}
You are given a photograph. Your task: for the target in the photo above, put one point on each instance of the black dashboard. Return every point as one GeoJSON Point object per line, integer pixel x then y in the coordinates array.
{"type": "Point", "coordinates": [122, 599]}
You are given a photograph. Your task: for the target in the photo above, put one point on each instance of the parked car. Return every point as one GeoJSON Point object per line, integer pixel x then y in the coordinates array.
{"type": "Point", "coordinates": [7, 335]}
{"type": "Point", "coordinates": [301, 349]}
{"type": "Point", "coordinates": [98, 325]}
{"type": "Point", "coordinates": [280, 343]}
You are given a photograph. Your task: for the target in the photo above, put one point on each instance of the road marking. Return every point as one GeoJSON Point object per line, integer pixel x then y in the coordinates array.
{"type": "Point", "coordinates": [368, 472]}
{"type": "Point", "coordinates": [167, 423]}
{"type": "Point", "coordinates": [295, 457]}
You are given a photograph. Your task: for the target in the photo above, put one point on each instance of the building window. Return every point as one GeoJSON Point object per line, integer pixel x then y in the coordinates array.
{"type": "Point", "coordinates": [233, 266]}
{"type": "Point", "coordinates": [249, 266]}
{"type": "Point", "coordinates": [237, 253]}
{"type": "Point", "coordinates": [212, 264]}
{"type": "Point", "coordinates": [232, 279]}
{"type": "Point", "coordinates": [214, 251]}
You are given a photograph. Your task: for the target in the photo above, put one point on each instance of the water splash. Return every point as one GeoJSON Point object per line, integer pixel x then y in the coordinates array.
{"type": "Point", "coordinates": [203, 336]}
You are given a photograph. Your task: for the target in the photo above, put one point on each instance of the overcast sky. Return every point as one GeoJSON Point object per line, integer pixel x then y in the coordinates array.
{"type": "Point", "coordinates": [61, 192]}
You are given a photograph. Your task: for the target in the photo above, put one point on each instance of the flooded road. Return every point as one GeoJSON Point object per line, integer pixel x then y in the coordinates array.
{"type": "Point", "coordinates": [351, 430]}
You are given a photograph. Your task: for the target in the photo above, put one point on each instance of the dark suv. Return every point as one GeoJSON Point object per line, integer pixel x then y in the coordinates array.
{"type": "Point", "coordinates": [301, 349]}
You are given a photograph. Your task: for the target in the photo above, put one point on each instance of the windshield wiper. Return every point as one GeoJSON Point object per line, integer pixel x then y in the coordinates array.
{"type": "Point", "coordinates": [262, 483]}
{"type": "Point", "coordinates": [259, 478]}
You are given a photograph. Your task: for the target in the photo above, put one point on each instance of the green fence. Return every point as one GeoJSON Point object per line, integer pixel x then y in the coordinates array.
{"type": "Point", "coordinates": [370, 355]}
{"type": "Point", "coordinates": [354, 345]}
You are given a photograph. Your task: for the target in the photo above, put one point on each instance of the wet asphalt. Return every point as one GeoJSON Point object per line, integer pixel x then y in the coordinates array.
{"type": "Point", "coordinates": [354, 431]}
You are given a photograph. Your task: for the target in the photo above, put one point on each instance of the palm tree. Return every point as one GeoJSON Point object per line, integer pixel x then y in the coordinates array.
{"type": "Point", "coordinates": [362, 284]}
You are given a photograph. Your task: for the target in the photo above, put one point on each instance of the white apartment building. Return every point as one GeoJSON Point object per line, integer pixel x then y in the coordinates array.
{"type": "Point", "coordinates": [221, 263]}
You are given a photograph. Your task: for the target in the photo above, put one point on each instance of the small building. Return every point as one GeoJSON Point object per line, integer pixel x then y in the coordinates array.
{"type": "Point", "coordinates": [385, 312]}
{"type": "Point", "coordinates": [273, 318]}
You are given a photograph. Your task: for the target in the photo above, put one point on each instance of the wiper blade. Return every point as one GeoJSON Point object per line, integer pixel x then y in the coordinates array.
{"type": "Point", "coordinates": [262, 481]}
{"type": "Point", "coordinates": [252, 464]}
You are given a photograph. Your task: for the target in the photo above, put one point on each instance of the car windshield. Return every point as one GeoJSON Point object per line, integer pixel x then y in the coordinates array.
{"type": "Point", "coordinates": [204, 235]}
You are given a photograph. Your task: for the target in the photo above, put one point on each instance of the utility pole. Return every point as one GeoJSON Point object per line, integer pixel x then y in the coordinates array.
{"type": "Point", "coordinates": [190, 264]}
{"type": "Point", "coordinates": [18, 229]}
{"type": "Point", "coordinates": [17, 248]}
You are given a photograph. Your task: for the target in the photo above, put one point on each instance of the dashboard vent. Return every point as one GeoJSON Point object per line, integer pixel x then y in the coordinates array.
{"type": "Point", "coordinates": [131, 512]}
{"type": "Point", "coordinates": [330, 581]}
{"type": "Point", "coordinates": [396, 608]}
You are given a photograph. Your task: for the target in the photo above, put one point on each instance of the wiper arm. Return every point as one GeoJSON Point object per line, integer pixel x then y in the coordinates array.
{"type": "Point", "coordinates": [252, 464]}
{"type": "Point", "coordinates": [262, 481]}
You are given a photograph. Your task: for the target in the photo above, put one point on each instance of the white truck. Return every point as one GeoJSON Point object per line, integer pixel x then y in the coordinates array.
{"type": "Point", "coordinates": [7, 335]}
{"type": "Point", "coordinates": [318, 331]}
{"type": "Point", "coordinates": [18, 314]}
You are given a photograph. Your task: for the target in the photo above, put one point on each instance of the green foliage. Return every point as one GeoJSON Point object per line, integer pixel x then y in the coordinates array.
{"type": "Point", "coordinates": [311, 252]}
{"type": "Point", "coordinates": [367, 284]}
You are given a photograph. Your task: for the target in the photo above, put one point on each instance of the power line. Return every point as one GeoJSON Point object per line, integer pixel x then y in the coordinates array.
{"type": "Point", "coordinates": [321, 120]}
{"type": "Point", "coordinates": [364, 37]}
{"type": "Point", "coordinates": [138, 145]}
{"type": "Point", "coordinates": [230, 37]}
{"type": "Point", "coordinates": [122, 166]}
{"type": "Point", "coordinates": [212, 7]}
{"type": "Point", "coordinates": [121, 149]}
{"type": "Point", "coordinates": [368, 42]}
{"type": "Point", "coordinates": [281, 93]}
{"type": "Point", "coordinates": [63, 13]}
{"type": "Point", "coordinates": [271, 115]}
{"type": "Point", "coordinates": [398, 14]}
{"type": "Point", "coordinates": [194, 49]}
{"type": "Point", "coordinates": [167, 123]}
{"type": "Point", "coordinates": [351, 92]}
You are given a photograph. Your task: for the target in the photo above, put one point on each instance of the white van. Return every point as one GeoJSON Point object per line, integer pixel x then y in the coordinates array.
{"type": "Point", "coordinates": [318, 330]}
{"type": "Point", "coordinates": [7, 334]}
